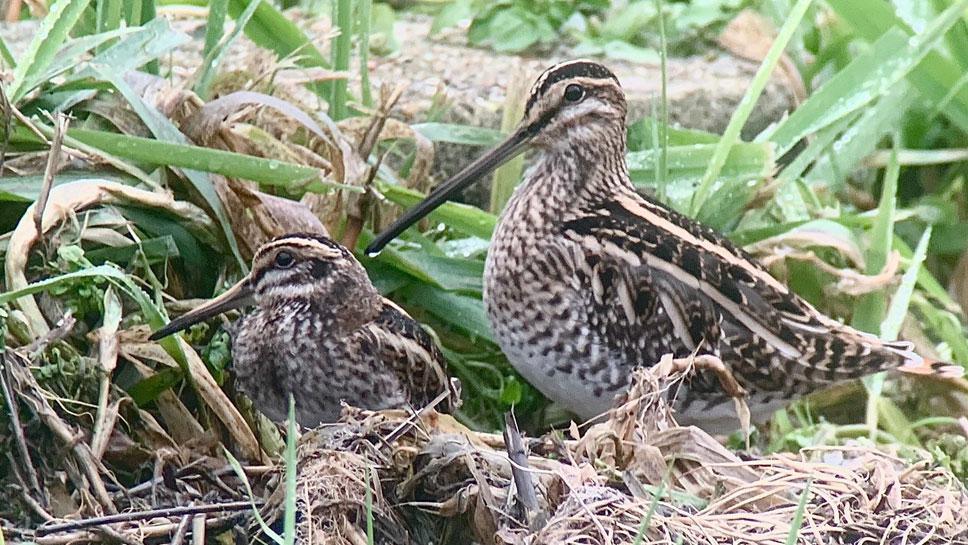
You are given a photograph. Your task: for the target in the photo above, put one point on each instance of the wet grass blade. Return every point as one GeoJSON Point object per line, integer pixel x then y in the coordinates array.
{"type": "Point", "coordinates": [936, 74]}
{"type": "Point", "coordinates": [861, 138]}
{"type": "Point", "coordinates": [745, 107]}
{"type": "Point", "coordinates": [266, 172]}
{"type": "Point", "coordinates": [465, 218]}
{"type": "Point", "coordinates": [735, 183]}
{"type": "Point", "coordinates": [153, 40]}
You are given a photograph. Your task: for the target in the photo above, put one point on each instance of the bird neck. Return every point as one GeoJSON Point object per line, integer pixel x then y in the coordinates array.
{"type": "Point", "coordinates": [344, 304]}
{"type": "Point", "coordinates": [587, 169]}
{"type": "Point", "coordinates": [350, 302]}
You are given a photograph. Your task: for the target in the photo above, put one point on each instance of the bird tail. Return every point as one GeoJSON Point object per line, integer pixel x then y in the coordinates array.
{"type": "Point", "coordinates": [917, 365]}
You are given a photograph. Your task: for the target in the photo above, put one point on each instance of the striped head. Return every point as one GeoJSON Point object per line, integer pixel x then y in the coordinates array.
{"type": "Point", "coordinates": [575, 106]}
{"type": "Point", "coordinates": [297, 266]}
{"type": "Point", "coordinates": [303, 265]}
{"type": "Point", "coordinates": [574, 103]}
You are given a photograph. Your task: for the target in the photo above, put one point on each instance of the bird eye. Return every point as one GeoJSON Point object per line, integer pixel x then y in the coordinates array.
{"type": "Point", "coordinates": [574, 92]}
{"type": "Point", "coordinates": [284, 260]}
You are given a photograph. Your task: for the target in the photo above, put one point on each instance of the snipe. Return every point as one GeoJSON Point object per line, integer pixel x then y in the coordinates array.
{"type": "Point", "coordinates": [586, 279]}
{"type": "Point", "coordinates": [322, 332]}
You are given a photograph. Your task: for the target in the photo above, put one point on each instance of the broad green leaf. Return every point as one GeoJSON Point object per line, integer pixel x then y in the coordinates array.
{"type": "Point", "coordinates": [459, 134]}
{"type": "Point", "coordinates": [163, 129]}
{"type": "Point", "coordinates": [735, 185]}
{"type": "Point", "coordinates": [267, 172]}
{"type": "Point", "coordinates": [459, 311]}
{"type": "Point", "coordinates": [465, 218]}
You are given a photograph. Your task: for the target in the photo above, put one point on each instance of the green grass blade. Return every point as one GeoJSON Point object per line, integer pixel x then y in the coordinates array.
{"type": "Point", "coordinates": [898, 310]}
{"type": "Point", "coordinates": [270, 29]}
{"type": "Point", "coordinates": [869, 76]}
{"type": "Point", "coordinates": [936, 74]}
{"type": "Point", "coordinates": [462, 312]}
{"type": "Point", "coordinates": [266, 172]}
{"type": "Point", "coordinates": [163, 129]}
{"type": "Point", "coordinates": [657, 495]}
{"type": "Point", "coordinates": [507, 176]}
{"type": "Point", "coordinates": [365, 13]}
{"type": "Point", "coordinates": [870, 309]}
{"type": "Point", "coordinates": [9, 62]}
{"type": "Point", "coordinates": [108, 16]}
{"type": "Point", "coordinates": [214, 25]}
{"type": "Point", "coordinates": [214, 30]}
{"type": "Point", "coordinates": [342, 47]}
{"type": "Point", "coordinates": [467, 219]}
{"type": "Point", "coordinates": [209, 67]}
{"type": "Point", "coordinates": [797, 523]}
{"type": "Point", "coordinates": [240, 473]}
{"type": "Point", "coordinates": [289, 515]}
{"type": "Point", "coordinates": [76, 51]}
{"type": "Point", "coordinates": [53, 31]}
{"type": "Point", "coordinates": [371, 480]}
{"type": "Point", "coordinates": [103, 271]}
{"type": "Point", "coordinates": [745, 107]}
{"type": "Point", "coordinates": [459, 134]}
{"type": "Point", "coordinates": [662, 169]}
{"type": "Point", "coordinates": [861, 138]}
{"type": "Point", "coordinates": [735, 183]}
{"type": "Point", "coordinates": [153, 40]}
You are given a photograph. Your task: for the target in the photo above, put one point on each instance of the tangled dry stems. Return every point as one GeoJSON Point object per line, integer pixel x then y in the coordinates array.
{"type": "Point", "coordinates": [599, 487]}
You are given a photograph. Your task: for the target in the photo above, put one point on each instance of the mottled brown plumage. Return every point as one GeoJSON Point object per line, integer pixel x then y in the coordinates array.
{"type": "Point", "coordinates": [585, 279]}
{"type": "Point", "coordinates": [321, 331]}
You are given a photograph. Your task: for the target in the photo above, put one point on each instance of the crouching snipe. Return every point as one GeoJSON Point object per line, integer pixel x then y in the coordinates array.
{"type": "Point", "coordinates": [321, 332]}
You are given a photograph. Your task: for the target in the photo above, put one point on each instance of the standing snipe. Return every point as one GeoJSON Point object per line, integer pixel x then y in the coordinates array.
{"type": "Point", "coordinates": [585, 279]}
{"type": "Point", "coordinates": [321, 332]}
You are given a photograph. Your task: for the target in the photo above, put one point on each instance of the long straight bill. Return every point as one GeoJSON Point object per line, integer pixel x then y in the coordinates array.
{"type": "Point", "coordinates": [483, 166]}
{"type": "Point", "coordinates": [238, 295]}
